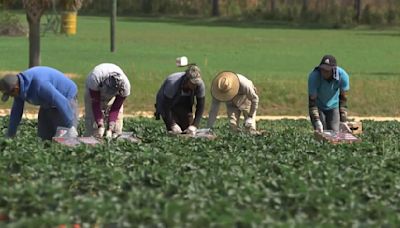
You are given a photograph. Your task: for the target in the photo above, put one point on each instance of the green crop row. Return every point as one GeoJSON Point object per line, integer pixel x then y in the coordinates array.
{"type": "Point", "coordinates": [283, 178]}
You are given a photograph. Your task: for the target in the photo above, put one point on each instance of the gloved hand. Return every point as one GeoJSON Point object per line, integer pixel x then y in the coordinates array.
{"type": "Point", "coordinates": [99, 133]}
{"type": "Point", "coordinates": [109, 134]}
{"type": "Point", "coordinates": [191, 130]}
{"type": "Point", "coordinates": [344, 127]}
{"type": "Point", "coordinates": [249, 122]}
{"type": "Point", "coordinates": [72, 132]}
{"type": "Point", "coordinates": [175, 129]}
{"type": "Point", "coordinates": [318, 126]}
{"type": "Point", "coordinates": [111, 131]}
{"type": "Point", "coordinates": [112, 126]}
{"type": "Point", "coordinates": [343, 114]}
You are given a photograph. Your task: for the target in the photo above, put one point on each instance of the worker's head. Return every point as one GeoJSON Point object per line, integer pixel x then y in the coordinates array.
{"type": "Point", "coordinates": [225, 86]}
{"type": "Point", "coordinates": [193, 77]}
{"type": "Point", "coordinates": [327, 66]}
{"type": "Point", "coordinates": [9, 86]}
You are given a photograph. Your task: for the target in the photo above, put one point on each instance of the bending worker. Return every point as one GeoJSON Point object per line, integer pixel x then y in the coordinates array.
{"type": "Point", "coordinates": [175, 100]}
{"type": "Point", "coordinates": [327, 87]}
{"type": "Point", "coordinates": [239, 95]}
{"type": "Point", "coordinates": [107, 87]}
{"type": "Point", "coordinates": [48, 88]}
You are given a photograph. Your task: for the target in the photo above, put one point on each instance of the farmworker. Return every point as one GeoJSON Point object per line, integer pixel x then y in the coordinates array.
{"type": "Point", "coordinates": [48, 88]}
{"type": "Point", "coordinates": [240, 96]}
{"type": "Point", "coordinates": [107, 87]}
{"type": "Point", "coordinates": [327, 87]}
{"type": "Point", "coordinates": [175, 100]}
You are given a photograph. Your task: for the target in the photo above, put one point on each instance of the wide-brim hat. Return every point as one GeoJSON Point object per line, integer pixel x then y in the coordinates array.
{"type": "Point", "coordinates": [225, 86]}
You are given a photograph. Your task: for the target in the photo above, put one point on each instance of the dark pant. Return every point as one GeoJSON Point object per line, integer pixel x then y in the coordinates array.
{"type": "Point", "coordinates": [330, 119]}
{"type": "Point", "coordinates": [50, 118]}
{"type": "Point", "coordinates": [181, 116]}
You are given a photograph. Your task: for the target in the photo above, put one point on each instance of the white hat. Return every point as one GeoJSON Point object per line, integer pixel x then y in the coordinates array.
{"type": "Point", "coordinates": [181, 61]}
{"type": "Point", "coordinates": [225, 86]}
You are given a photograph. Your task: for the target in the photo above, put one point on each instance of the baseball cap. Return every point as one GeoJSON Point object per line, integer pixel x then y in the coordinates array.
{"type": "Point", "coordinates": [328, 62]}
{"type": "Point", "coordinates": [7, 84]}
{"type": "Point", "coordinates": [193, 73]}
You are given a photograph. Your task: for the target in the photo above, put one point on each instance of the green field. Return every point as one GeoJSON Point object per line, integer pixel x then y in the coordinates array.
{"type": "Point", "coordinates": [282, 179]}
{"type": "Point", "coordinates": [277, 58]}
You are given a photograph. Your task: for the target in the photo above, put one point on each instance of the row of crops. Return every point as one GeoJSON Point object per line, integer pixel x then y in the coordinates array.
{"type": "Point", "coordinates": [282, 178]}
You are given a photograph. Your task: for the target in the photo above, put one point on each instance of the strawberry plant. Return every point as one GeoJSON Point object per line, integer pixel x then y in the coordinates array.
{"type": "Point", "coordinates": [282, 178]}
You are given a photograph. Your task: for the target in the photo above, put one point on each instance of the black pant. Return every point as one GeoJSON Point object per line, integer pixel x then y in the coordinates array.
{"type": "Point", "coordinates": [182, 113]}
{"type": "Point", "coordinates": [50, 118]}
{"type": "Point", "coordinates": [182, 116]}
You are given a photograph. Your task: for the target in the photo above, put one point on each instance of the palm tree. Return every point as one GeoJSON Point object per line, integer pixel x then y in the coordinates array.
{"type": "Point", "coordinates": [71, 5]}
{"type": "Point", "coordinates": [69, 14]}
{"type": "Point", "coordinates": [34, 11]}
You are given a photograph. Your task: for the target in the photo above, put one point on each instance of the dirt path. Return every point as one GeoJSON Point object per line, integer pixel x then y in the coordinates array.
{"type": "Point", "coordinates": [33, 115]}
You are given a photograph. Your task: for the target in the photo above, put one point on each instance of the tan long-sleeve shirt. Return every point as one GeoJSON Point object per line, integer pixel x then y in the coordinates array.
{"type": "Point", "coordinates": [246, 98]}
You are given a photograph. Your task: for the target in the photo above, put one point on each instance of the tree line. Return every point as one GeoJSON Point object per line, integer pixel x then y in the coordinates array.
{"type": "Point", "coordinates": [332, 12]}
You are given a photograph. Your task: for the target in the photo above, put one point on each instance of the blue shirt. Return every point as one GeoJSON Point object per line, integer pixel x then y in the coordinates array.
{"type": "Point", "coordinates": [327, 91]}
{"type": "Point", "coordinates": [46, 87]}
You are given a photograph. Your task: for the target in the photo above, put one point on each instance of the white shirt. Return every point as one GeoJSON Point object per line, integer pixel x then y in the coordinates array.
{"type": "Point", "coordinates": [97, 81]}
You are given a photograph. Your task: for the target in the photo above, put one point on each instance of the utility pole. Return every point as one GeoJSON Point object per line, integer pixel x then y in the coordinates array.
{"type": "Point", "coordinates": [112, 24]}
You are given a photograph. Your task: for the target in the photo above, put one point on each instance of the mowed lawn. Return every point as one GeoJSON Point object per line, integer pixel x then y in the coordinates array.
{"type": "Point", "coordinates": [277, 58]}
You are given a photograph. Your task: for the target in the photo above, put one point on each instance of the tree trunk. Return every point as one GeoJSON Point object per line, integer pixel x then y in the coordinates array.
{"type": "Point", "coordinates": [113, 22]}
{"type": "Point", "coordinates": [273, 6]}
{"type": "Point", "coordinates": [34, 11]}
{"type": "Point", "coordinates": [215, 8]}
{"type": "Point", "coordinates": [147, 6]}
{"type": "Point", "coordinates": [34, 41]}
{"type": "Point", "coordinates": [305, 6]}
{"type": "Point", "coordinates": [357, 9]}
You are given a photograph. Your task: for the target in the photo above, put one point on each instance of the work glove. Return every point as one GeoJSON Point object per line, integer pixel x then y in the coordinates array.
{"type": "Point", "coordinates": [249, 122]}
{"type": "Point", "coordinates": [175, 129]}
{"type": "Point", "coordinates": [191, 130]}
{"type": "Point", "coordinates": [111, 132]}
{"type": "Point", "coordinates": [99, 133]}
{"type": "Point", "coordinates": [344, 127]}
{"type": "Point", "coordinates": [72, 132]}
{"type": "Point", "coordinates": [112, 126]}
{"type": "Point", "coordinates": [318, 126]}
{"type": "Point", "coordinates": [343, 114]}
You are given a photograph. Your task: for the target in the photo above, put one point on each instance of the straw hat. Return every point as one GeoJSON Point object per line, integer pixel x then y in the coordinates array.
{"type": "Point", "coordinates": [225, 86]}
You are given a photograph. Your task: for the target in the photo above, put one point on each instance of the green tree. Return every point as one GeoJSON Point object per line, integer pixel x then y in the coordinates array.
{"type": "Point", "coordinates": [34, 11]}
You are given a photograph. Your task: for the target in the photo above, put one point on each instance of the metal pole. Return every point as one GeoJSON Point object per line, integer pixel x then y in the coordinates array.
{"type": "Point", "coordinates": [113, 20]}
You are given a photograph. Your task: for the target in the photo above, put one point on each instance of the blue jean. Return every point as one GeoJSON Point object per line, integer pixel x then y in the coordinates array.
{"type": "Point", "coordinates": [50, 118]}
{"type": "Point", "coordinates": [330, 119]}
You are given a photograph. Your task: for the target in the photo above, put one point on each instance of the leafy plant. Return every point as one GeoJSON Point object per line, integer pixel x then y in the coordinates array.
{"type": "Point", "coordinates": [283, 178]}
